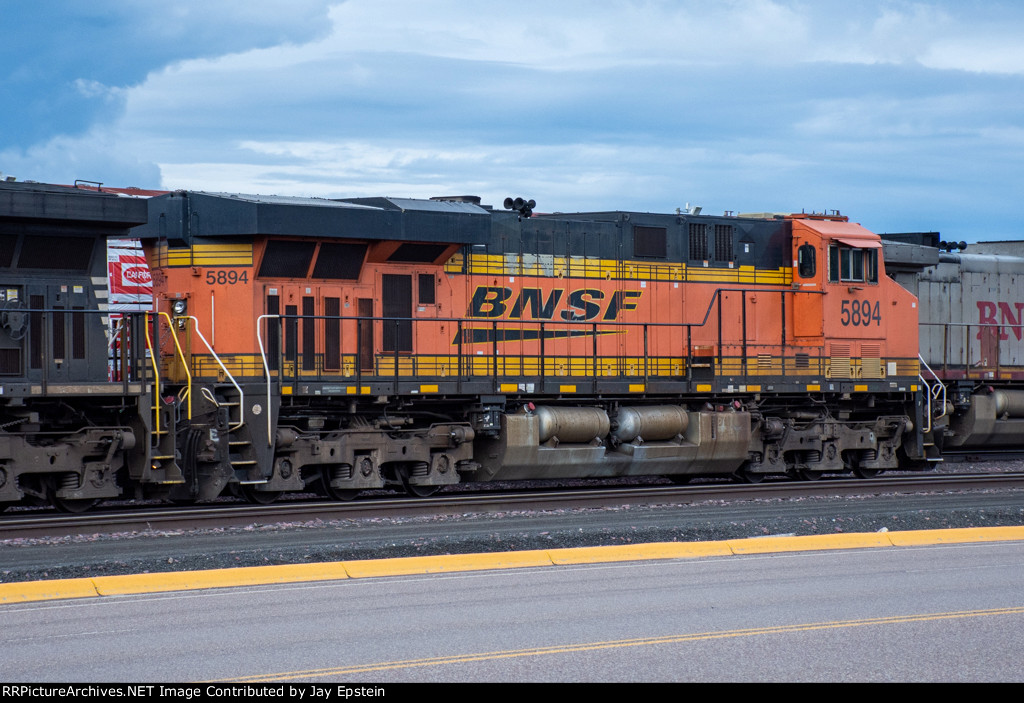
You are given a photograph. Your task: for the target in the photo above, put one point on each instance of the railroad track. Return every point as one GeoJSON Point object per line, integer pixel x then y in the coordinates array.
{"type": "Point", "coordinates": [44, 523]}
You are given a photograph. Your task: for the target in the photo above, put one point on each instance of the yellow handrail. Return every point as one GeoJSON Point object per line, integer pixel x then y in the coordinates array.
{"type": "Point", "coordinates": [156, 366]}
{"type": "Point", "coordinates": [184, 364]}
{"type": "Point", "coordinates": [156, 372]}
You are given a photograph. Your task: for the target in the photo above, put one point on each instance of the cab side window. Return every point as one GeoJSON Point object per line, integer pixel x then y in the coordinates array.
{"type": "Point", "coordinates": [806, 263]}
{"type": "Point", "coordinates": [848, 264]}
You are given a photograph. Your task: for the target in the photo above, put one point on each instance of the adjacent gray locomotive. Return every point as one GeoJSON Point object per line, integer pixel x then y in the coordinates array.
{"type": "Point", "coordinates": [971, 301]}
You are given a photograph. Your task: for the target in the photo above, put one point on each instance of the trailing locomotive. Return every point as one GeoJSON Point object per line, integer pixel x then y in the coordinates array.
{"type": "Point", "coordinates": [344, 345]}
{"type": "Point", "coordinates": [75, 405]}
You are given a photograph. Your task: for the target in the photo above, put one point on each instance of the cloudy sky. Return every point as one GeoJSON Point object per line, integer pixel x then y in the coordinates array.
{"type": "Point", "coordinates": [903, 115]}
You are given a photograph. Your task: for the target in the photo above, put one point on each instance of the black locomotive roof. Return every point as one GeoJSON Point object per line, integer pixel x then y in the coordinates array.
{"type": "Point", "coordinates": [25, 201]}
{"type": "Point", "coordinates": [184, 215]}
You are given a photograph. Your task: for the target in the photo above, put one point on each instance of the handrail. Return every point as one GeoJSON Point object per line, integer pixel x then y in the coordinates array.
{"type": "Point", "coordinates": [938, 390]}
{"type": "Point", "coordinates": [266, 371]}
{"type": "Point", "coordinates": [181, 355]}
{"type": "Point", "coordinates": [154, 359]}
{"type": "Point", "coordinates": [241, 393]}
{"type": "Point", "coordinates": [156, 374]}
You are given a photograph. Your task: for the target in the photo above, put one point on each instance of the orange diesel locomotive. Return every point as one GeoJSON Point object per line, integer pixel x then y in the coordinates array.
{"type": "Point", "coordinates": [345, 345]}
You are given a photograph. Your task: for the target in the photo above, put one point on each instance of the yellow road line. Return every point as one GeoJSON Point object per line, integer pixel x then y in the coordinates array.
{"type": "Point", "coordinates": [299, 573]}
{"type": "Point", "coordinates": [618, 644]}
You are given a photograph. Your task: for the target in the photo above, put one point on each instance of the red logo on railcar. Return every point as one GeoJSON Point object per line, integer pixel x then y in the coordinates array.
{"type": "Point", "coordinates": [987, 311]}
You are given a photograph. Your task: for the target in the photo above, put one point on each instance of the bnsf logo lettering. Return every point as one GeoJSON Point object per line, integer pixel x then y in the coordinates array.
{"type": "Point", "coordinates": [987, 316]}
{"type": "Point", "coordinates": [581, 304]}
{"type": "Point", "coordinates": [136, 276]}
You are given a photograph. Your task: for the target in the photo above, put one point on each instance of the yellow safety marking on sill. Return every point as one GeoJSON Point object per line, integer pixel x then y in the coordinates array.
{"type": "Point", "coordinates": [567, 389]}
{"type": "Point", "coordinates": [703, 387]}
{"type": "Point", "coordinates": [913, 388]}
{"type": "Point", "coordinates": [428, 388]}
{"type": "Point", "coordinates": [753, 389]}
{"type": "Point", "coordinates": [858, 388]}
{"type": "Point", "coordinates": [814, 388]}
{"type": "Point", "coordinates": [508, 387]}
{"type": "Point", "coordinates": [637, 388]}
{"type": "Point", "coordinates": [286, 390]}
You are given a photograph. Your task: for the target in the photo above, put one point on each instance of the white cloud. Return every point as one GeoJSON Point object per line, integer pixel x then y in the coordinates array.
{"type": "Point", "coordinates": [97, 156]}
{"type": "Point", "coordinates": [645, 104]}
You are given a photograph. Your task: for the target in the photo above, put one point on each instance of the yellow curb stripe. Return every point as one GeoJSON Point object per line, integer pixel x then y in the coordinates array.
{"type": "Point", "coordinates": [763, 545]}
{"type": "Point", "coordinates": [956, 535]}
{"type": "Point", "coordinates": [446, 563]}
{"type": "Point", "coordinates": [297, 573]}
{"type": "Point", "coordinates": [639, 552]}
{"type": "Point", "coordinates": [218, 578]}
{"type": "Point", "coordinates": [47, 590]}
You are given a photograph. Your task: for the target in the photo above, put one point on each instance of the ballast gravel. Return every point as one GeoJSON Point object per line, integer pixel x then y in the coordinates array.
{"type": "Point", "coordinates": [373, 538]}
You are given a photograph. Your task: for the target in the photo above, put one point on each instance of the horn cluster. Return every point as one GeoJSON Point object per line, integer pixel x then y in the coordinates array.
{"type": "Point", "coordinates": [523, 207]}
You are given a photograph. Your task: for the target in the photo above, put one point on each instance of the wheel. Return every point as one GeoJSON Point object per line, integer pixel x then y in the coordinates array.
{"type": "Point", "coordinates": [809, 475]}
{"type": "Point", "coordinates": [332, 492]}
{"type": "Point", "coordinates": [679, 479]}
{"type": "Point", "coordinates": [257, 497]}
{"type": "Point", "coordinates": [744, 476]}
{"type": "Point", "coordinates": [72, 505]}
{"type": "Point", "coordinates": [415, 489]}
{"type": "Point", "coordinates": [68, 505]}
{"type": "Point", "coordinates": [867, 473]}
{"type": "Point", "coordinates": [419, 491]}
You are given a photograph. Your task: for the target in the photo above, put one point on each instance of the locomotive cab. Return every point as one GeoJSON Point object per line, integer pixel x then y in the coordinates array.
{"type": "Point", "coordinates": [844, 304]}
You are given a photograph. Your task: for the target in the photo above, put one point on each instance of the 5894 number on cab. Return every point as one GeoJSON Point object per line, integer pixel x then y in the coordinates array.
{"type": "Point", "coordinates": [860, 313]}
{"type": "Point", "coordinates": [226, 277]}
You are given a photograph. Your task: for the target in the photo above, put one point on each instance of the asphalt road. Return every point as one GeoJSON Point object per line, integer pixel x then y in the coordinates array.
{"type": "Point", "coordinates": [937, 613]}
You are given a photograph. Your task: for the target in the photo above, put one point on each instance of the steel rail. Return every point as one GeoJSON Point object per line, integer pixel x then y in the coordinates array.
{"type": "Point", "coordinates": [43, 523]}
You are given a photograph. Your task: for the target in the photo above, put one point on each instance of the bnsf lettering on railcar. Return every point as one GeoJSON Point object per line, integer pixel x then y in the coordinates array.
{"type": "Point", "coordinates": [581, 304]}
{"type": "Point", "coordinates": [987, 316]}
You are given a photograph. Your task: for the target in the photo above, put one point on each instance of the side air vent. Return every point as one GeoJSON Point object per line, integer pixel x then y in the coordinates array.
{"type": "Point", "coordinates": [339, 260]}
{"type": "Point", "coordinates": [286, 259]}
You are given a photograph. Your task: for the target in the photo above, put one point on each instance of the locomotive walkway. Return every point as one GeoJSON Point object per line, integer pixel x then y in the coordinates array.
{"type": "Point", "coordinates": [355, 569]}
